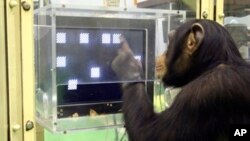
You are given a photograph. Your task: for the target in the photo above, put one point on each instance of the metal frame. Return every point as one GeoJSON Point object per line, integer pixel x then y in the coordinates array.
{"type": "Point", "coordinates": [20, 69]}
{"type": "Point", "coordinates": [3, 78]}
{"type": "Point", "coordinates": [14, 70]}
{"type": "Point", "coordinates": [206, 9]}
{"type": "Point", "coordinates": [28, 70]}
{"type": "Point", "coordinates": [219, 15]}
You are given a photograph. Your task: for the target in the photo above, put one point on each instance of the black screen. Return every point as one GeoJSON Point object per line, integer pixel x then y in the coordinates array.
{"type": "Point", "coordinates": [84, 57]}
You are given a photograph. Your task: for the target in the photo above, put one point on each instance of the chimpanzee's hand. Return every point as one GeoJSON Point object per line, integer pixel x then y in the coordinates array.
{"type": "Point", "coordinates": [126, 67]}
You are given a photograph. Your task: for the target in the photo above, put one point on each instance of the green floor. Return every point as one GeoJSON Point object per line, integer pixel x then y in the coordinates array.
{"type": "Point", "coordinates": [97, 135]}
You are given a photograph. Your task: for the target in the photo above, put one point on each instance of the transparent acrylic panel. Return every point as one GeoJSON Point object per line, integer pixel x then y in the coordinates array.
{"type": "Point", "coordinates": [162, 96]}
{"type": "Point", "coordinates": [75, 47]}
{"type": "Point", "coordinates": [237, 16]}
{"type": "Point", "coordinates": [43, 58]}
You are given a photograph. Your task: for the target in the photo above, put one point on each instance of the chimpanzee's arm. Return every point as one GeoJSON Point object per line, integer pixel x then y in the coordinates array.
{"type": "Point", "coordinates": [138, 111]}
{"type": "Point", "coordinates": [202, 111]}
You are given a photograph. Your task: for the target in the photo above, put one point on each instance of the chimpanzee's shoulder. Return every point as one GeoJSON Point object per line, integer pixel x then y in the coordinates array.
{"type": "Point", "coordinates": [227, 72]}
{"type": "Point", "coordinates": [223, 77]}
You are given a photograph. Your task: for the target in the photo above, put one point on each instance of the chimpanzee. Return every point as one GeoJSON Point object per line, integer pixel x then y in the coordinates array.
{"type": "Point", "coordinates": [203, 59]}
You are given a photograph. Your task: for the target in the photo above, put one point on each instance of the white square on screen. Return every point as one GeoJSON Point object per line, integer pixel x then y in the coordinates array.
{"type": "Point", "coordinates": [72, 84]}
{"type": "Point", "coordinates": [61, 37]}
{"type": "Point", "coordinates": [84, 38]}
{"type": "Point", "coordinates": [95, 72]}
{"type": "Point", "coordinates": [61, 61]}
{"type": "Point", "coordinates": [138, 57]}
{"type": "Point", "coordinates": [106, 38]}
{"type": "Point", "coordinates": [116, 38]}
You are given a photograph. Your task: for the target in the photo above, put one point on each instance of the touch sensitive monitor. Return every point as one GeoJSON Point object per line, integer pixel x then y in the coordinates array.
{"type": "Point", "coordinates": [84, 74]}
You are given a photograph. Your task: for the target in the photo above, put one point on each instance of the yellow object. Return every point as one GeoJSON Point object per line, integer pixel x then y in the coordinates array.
{"type": "Point", "coordinates": [3, 78]}
{"type": "Point", "coordinates": [20, 67]}
{"type": "Point", "coordinates": [164, 97]}
{"type": "Point", "coordinates": [112, 3]}
{"type": "Point", "coordinates": [28, 69]}
{"type": "Point", "coordinates": [220, 11]}
{"type": "Point", "coordinates": [207, 9]}
{"type": "Point", "coordinates": [14, 70]}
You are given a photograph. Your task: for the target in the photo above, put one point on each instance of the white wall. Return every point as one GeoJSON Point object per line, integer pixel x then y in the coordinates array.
{"type": "Point", "coordinates": [130, 3]}
{"type": "Point", "coordinates": [78, 2]}
{"type": "Point", "coordinates": [238, 20]}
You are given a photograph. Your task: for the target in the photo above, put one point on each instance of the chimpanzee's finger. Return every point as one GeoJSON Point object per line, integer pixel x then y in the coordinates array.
{"type": "Point", "coordinates": [125, 48]}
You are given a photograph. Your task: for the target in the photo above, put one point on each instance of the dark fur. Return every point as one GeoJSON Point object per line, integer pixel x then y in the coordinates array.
{"type": "Point", "coordinates": [215, 92]}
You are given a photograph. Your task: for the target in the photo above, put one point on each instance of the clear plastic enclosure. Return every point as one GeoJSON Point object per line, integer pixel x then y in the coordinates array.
{"type": "Point", "coordinates": [74, 50]}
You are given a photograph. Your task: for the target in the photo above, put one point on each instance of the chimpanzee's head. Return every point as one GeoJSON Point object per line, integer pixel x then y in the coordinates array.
{"type": "Point", "coordinates": [195, 47]}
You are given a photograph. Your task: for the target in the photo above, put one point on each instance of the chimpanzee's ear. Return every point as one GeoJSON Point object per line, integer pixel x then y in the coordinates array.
{"type": "Point", "coordinates": [195, 38]}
